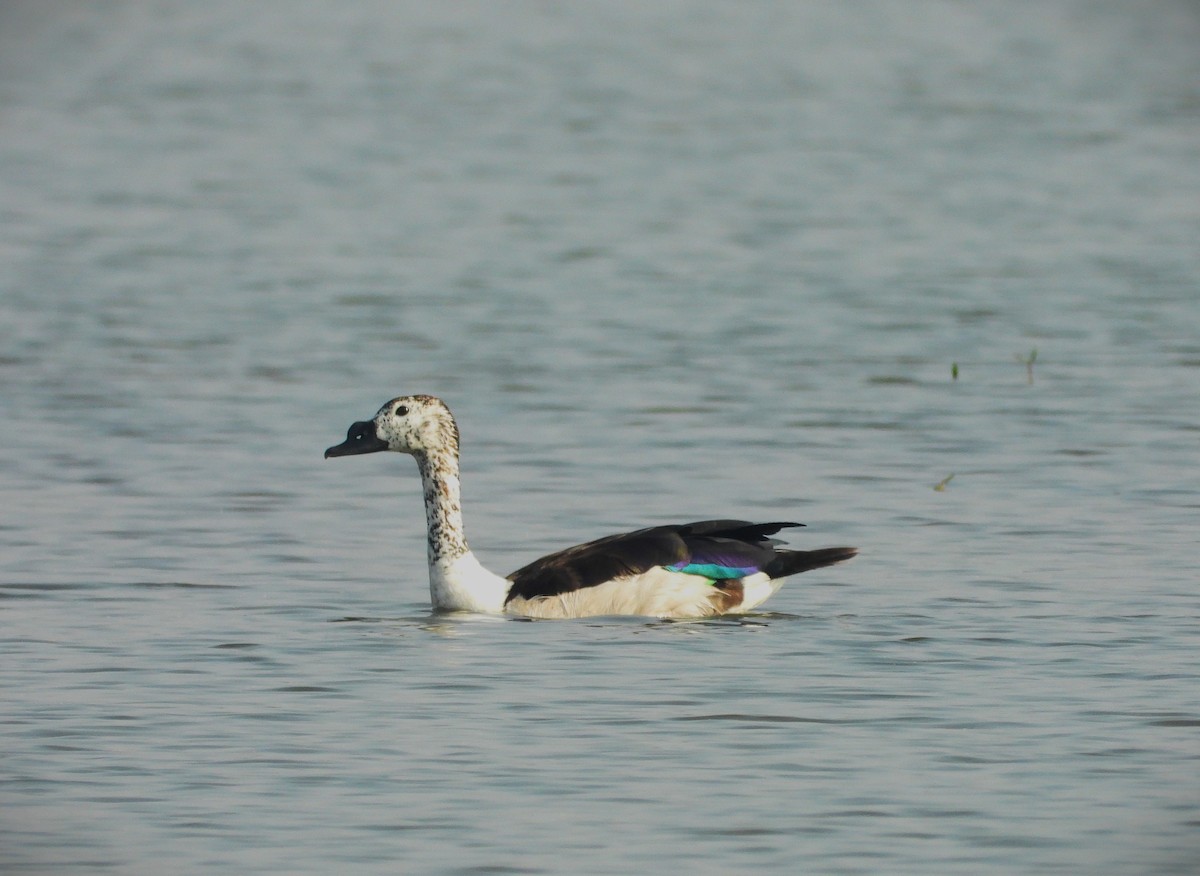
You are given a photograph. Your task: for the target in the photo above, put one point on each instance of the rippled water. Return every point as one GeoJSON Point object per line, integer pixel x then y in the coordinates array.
{"type": "Point", "coordinates": [665, 262]}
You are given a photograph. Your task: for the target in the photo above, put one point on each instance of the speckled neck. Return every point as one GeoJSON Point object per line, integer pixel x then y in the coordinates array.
{"type": "Point", "coordinates": [443, 505]}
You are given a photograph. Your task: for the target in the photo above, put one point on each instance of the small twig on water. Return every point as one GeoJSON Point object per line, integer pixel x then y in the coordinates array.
{"type": "Point", "coordinates": [1028, 361]}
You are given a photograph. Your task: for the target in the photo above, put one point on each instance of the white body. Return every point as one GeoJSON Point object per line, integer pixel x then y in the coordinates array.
{"type": "Point", "coordinates": [659, 592]}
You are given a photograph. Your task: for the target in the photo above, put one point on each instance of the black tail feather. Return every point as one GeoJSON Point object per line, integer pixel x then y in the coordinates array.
{"type": "Point", "coordinates": [793, 562]}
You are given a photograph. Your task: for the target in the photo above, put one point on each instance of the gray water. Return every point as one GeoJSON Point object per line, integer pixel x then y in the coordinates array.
{"type": "Point", "coordinates": [665, 261]}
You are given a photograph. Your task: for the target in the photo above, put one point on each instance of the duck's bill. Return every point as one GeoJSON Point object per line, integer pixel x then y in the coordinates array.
{"type": "Point", "coordinates": [361, 438]}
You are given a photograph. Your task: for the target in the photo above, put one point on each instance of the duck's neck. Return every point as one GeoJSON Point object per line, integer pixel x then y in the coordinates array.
{"type": "Point", "coordinates": [443, 506]}
{"type": "Point", "coordinates": [457, 581]}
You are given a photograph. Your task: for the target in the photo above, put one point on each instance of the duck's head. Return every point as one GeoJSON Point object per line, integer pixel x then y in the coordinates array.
{"type": "Point", "coordinates": [416, 424]}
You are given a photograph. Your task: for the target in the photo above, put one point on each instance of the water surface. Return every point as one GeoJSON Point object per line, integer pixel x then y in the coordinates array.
{"type": "Point", "coordinates": [664, 262]}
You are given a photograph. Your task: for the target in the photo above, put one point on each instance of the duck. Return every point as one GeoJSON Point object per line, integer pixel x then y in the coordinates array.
{"type": "Point", "coordinates": [701, 569]}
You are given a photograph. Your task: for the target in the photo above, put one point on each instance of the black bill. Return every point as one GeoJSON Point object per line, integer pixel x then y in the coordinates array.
{"type": "Point", "coordinates": [360, 438]}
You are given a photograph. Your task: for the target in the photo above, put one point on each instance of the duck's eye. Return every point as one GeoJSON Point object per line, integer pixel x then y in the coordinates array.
{"type": "Point", "coordinates": [401, 410]}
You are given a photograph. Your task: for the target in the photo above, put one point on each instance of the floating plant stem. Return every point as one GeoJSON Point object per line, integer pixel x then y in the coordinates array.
{"type": "Point", "coordinates": [1028, 361]}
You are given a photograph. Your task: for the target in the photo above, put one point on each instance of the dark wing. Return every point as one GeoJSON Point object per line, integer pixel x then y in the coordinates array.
{"type": "Point", "coordinates": [713, 548]}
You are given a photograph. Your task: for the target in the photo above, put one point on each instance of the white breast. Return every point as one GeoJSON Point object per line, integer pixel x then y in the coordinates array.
{"type": "Point", "coordinates": [463, 584]}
